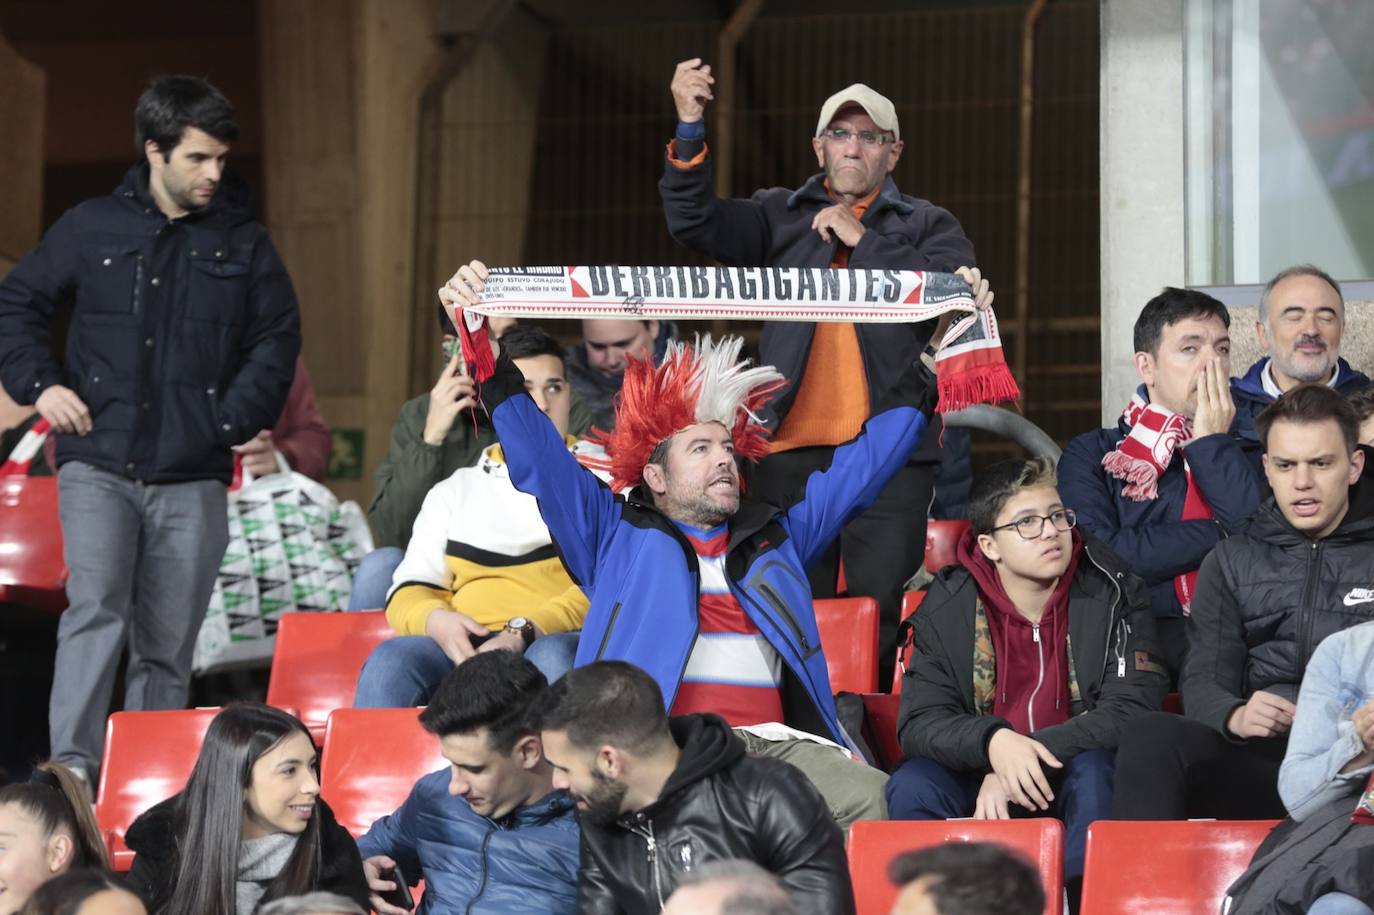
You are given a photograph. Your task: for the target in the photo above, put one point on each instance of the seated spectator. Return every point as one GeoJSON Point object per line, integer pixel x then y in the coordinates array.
{"type": "Point", "coordinates": [1169, 481]}
{"type": "Point", "coordinates": [1317, 855]}
{"type": "Point", "coordinates": [1266, 598]}
{"type": "Point", "coordinates": [729, 887]}
{"type": "Point", "coordinates": [481, 572]}
{"type": "Point", "coordinates": [434, 435]}
{"type": "Point", "coordinates": [249, 826]}
{"type": "Point", "coordinates": [966, 878]}
{"type": "Point", "coordinates": [1301, 321]}
{"type": "Point", "coordinates": [703, 589]}
{"type": "Point", "coordinates": [660, 798]}
{"type": "Point", "coordinates": [1032, 656]}
{"type": "Point", "coordinates": [313, 904]}
{"type": "Point", "coordinates": [47, 828]}
{"type": "Point", "coordinates": [300, 436]}
{"type": "Point", "coordinates": [491, 834]}
{"type": "Point", "coordinates": [82, 892]}
{"type": "Point", "coordinates": [596, 364]}
{"type": "Point", "coordinates": [1362, 401]}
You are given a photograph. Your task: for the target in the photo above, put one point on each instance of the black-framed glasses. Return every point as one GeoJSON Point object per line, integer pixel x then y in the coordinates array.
{"type": "Point", "coordinates": [866, 137]}
{"type": "Point", "coordinates": [1032, 526]}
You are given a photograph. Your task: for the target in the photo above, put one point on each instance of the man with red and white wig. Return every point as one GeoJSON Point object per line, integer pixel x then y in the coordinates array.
{"type": "Point", "coordinates": [702, 588]}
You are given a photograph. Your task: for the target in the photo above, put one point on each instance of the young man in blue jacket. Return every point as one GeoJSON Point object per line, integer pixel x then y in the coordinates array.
{"type": "Point", "coordinates": [1170, 480]}
{"type": "Point", "coordinates": [490, 834]}
{"type": "Point", "coordinates": [704, 590]}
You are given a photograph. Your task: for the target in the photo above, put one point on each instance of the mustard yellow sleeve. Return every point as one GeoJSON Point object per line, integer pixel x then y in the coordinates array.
{"type": "Point", "coordinates": [562, 613]}
{"type": "Point", "coordinates": [409, 607]}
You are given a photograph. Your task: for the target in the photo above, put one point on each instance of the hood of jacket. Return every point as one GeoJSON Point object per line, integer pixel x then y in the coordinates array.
{"type": "Point", "coordinates": [708, 746]}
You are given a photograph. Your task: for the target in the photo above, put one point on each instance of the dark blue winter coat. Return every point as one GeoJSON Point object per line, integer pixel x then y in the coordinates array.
{"type": "Point", "coordinates": [525, 864]}
{"type": "Point", "coordinates": [1251, 399]}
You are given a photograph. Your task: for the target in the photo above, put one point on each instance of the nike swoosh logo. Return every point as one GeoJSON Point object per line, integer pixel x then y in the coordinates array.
{"type": "Point", "coordinates": [1361, 600]}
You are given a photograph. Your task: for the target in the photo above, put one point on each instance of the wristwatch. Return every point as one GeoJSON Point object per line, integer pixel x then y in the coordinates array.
{"type": "Point", "coordinates": [521, 627]}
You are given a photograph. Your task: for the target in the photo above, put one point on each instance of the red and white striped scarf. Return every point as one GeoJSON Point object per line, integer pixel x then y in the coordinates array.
{"type": "Point", "coordinates": [1156, 433]}
{"type": "Point", "coordinates": [17, 465]}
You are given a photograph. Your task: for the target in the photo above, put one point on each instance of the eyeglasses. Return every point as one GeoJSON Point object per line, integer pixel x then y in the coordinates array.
{"type": "Point", "coordinates": [1032, 526]}
{"type": "Point", "coordinates": [866, 137]}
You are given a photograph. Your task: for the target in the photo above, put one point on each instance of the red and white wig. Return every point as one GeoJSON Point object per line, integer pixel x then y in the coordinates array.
{"type": "Point", "coordinates": [701, 383]}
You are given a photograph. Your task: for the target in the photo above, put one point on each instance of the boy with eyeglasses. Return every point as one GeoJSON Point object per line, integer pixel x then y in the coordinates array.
{"type": "Point", "coordinates": [1032, 653]}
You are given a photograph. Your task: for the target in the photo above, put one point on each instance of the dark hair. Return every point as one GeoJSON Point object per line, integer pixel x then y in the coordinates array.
{"type": "Point", "coordinates": [56, 798]}
{"type": "Point", "coordinates": [523, 342]}
{"type": "Point", "coordinates": [973, 878]}
{"type": "Point", "coordinates": [1168, 308]}
{"type": "Point", "coordinates": [756, 891]}
{"type": "Point", "coordinates": [64, 894]}
{"type": "Point", "coordinates": [496, 690]}
{"type": "Point", "coordinates": [173, 103]}
{"type": "Point", "coordinates": [312, 904]}
{"type": "Point", "coordinates": [1362, 402]}
{"type": "Point", "coordinates": [607, 702]}
{"type": "Point", "coordinates": [994, 487]}
{"type": "Point", "coordinates": [1290, 272]}
{"type": "Point", "coordinates": [1307, 404]}
{"type": "Point", "coordinates": [209, 814]}
{"type": "Point", "coordinates": [446, 323]}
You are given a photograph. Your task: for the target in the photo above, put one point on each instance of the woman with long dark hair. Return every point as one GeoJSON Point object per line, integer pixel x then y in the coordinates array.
{"type": "Point", "coordinates": [46, 829]}
{"type": "Point", "coordinates": [248, 827]}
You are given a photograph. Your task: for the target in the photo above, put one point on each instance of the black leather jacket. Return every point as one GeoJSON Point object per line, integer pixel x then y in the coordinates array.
{"type": "Point", "coordinates": [1266, 598]}
{"type": "Point", "coordinates": [718, 803]}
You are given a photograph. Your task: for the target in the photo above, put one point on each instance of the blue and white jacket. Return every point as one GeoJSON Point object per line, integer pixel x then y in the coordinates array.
{"type": "Point", "coordinates": [640, 573]}
{"type": "Point", "coordinates": [524, 864]}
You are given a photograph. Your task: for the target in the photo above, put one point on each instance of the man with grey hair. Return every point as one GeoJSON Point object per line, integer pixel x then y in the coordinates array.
{"type": "Point", "coordinates": [1301, 320]}
{"type": "Point", "coordinates": [729, 887]}
{"type": "Point", "coordinates": [312, 904]}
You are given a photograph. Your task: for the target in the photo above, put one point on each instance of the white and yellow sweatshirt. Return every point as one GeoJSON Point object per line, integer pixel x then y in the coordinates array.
{"type": "Point", "coordinates": [479, 546]}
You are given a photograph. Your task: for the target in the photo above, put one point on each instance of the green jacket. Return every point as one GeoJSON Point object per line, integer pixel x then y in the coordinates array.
{"type": "Point", "coordinates": [412, 466]}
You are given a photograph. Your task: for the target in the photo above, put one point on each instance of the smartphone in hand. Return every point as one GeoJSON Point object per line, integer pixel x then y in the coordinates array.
{"type": "Point", "coordinates": [399, 897]}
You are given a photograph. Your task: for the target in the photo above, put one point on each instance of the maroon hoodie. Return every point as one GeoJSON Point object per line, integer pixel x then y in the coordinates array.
{"type": "Point", "coordinates": [1032, 659]}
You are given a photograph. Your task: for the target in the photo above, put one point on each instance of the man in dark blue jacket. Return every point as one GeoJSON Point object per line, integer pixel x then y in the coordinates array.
{"type": "Point", "coordinates": [1301, 321]}
{"type": "Point", "coordinates": [490, 835]}
{"type": "Point", "coordinates": [1169, 481]}
{"type": "Point", "coordinates": [850, 214]}
{"type": "Point", "coordinates": [183, 344]}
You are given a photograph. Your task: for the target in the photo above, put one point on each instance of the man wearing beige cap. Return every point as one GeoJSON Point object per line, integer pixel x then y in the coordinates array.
{"type": "Point", "coordinates": [850, 214]}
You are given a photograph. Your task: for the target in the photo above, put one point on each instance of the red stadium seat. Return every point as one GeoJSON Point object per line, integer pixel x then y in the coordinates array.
{"type": "Point", "coordinates": [873, 844]}
{"type": "Point", "coordinates": [32, 571]}
{"type": "Point", "coordinates": [148, 758]}
{"type": "Point", "coordinates": [849, 636]}
{"type": "Point", "coordinates": [911, 601]}
{"type": "Point", "coordinates": [372, 758]}
{"type": "Point", "coordinates": [316, 662]}
{"type": "Point", "coordinates": [1186, 867]}
{"type": "Point", "coordinates": [881, 710]}
{"type": "Point", "coordinates": [942, 537]}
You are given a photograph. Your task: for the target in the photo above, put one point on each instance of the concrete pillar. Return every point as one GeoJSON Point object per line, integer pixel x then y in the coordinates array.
{"type": "Point", "coordinates": [1142, 158]}
{"type": "Point", "coordinates": [22, 93]}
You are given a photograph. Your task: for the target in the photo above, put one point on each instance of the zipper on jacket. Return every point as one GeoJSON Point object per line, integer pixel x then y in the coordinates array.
{"type": "Point", "coordinates": [1116, 604]}
{"type": "Point", "coordinates": [606, 636]}
{"type": "Point", "coordinates": [138, 283]}
{"type": "Point", "coordinates": [1040, 678]}
{"type": "Point", "coordinates": [1305, 608]}
{"type": "Point", "coordinates": [775, 600]}
{"type": "Point", "coordinates": [482, 883]}
{"type": "Point", "coordinates": [647, 833]}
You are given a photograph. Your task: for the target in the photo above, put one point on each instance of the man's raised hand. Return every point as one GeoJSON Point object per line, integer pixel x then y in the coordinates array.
{"type": "Point", "coordinates": [451, 395]}
{"type": "Point", "coordinates": [1215, 408]}
{"type": "Point", "coordinates": [691, 88]}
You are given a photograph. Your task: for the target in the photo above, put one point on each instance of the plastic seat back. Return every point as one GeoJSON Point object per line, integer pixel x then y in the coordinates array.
{"type": "Point", "coordinates": [882, 711]}
{"type": "Point", "coordinates": [1178, 867]}
{"type": "Point", "coordinates": [372, 758]}
{"type": "Point", "coordinates": [316, 662]}
{"type": "Point", "coordinates": [911, 602]}
{"type": "Point", "coordinates": [849, 636]}
{"type": "Point", "coordinates": [873, 844]}
{"type": "Point", "coordinates": [148, 758]}
{"type": "Point", "coordinates": [942, 539]}
{"type": "Point", "coordinates": [32, 571]}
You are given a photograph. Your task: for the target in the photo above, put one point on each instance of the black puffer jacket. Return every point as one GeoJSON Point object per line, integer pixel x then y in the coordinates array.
{"type": "Point", "coordinates": [183, 338]}
{"type": "Point", "coordinates": [154, 840]}
{"type": "Point", "coordinates": [1266, 598]}
{"type": "Point", "coordinates": [1111, 631]}
{"type": "Point", "coordinates": [718, 803]}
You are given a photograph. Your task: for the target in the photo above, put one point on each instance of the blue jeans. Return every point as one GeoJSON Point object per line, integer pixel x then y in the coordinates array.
{"type": "Point", "coordinates": [922, 789]}
{"type": "Point", "coordinates": [404, 672]}
{"type": "Point", "coordinates": [373, 578]}
{"type": "Point", "coordinates": [1339, 904]}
